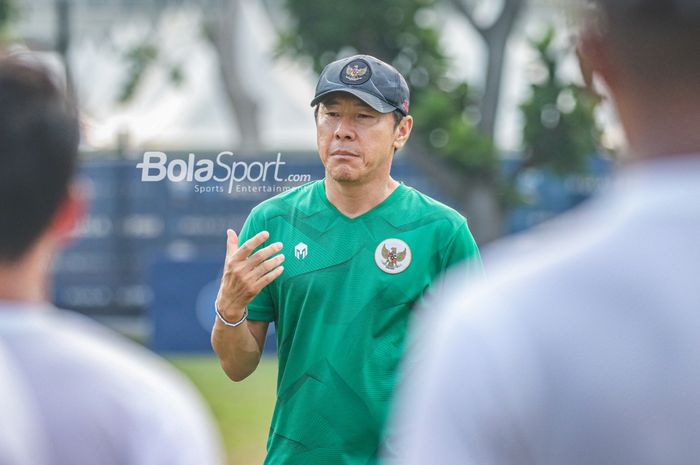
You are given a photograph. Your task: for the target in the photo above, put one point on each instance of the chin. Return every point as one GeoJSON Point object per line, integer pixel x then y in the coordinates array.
{"type": "Point", "coordinates": [344, 175]}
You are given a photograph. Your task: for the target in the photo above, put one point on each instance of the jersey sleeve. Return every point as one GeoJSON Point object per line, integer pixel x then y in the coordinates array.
{"type": "Point", "coordinates": [262, 306]}
{"type": "Point", "coordinates": [462, 249]}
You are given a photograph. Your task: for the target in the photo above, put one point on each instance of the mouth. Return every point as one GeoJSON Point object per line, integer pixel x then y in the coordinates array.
{"type": "Point", "coordinates": [344, 153]}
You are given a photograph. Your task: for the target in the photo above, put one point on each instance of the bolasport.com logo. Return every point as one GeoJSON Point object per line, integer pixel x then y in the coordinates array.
{"type": "Point", "coordinates": [231, 174]}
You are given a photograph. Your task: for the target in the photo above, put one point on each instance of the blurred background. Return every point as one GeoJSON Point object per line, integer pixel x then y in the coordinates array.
{"type": "Point", "coordinates": [505, 132]}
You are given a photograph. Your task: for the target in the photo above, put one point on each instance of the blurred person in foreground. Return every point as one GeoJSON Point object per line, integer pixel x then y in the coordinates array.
{"type": "Point", "coordinates": [20, 440]}
{"type": "Point", "coordinates": [99, 398]}
{"type": "Point", "coordinates": [361, 249]}
{"type": "Point", "coordinates": [584, 346]}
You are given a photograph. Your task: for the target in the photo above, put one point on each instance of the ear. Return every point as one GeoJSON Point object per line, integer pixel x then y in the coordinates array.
{"type": "Point", "coordinates": [67, 217]}
{"type": "Point", "coordinates": [594, 59]}
{"type": "Point", "coordinates": [403, 131]}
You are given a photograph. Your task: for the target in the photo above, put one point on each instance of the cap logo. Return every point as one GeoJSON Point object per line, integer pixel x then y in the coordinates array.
{"type": "Point", "coordinates": [404, 105]}
{"type": "Point", "coordinates": [356, 72]}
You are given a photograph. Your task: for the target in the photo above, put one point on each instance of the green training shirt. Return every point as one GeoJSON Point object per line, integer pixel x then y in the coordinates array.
{"type": "Point", "coordinates": [341, 309]}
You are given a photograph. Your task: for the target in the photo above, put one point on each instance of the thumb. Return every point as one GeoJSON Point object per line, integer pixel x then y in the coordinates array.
{"type": "Point", "coordinates": [231, 241]}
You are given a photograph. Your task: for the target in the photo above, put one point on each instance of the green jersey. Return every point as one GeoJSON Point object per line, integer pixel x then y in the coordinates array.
{"type": "Point", "coordinates": [341, 310]}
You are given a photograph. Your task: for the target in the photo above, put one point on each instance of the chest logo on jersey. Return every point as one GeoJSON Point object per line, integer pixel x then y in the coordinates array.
{"type": "Point", "coordinates": [301, 250]}
{"type": "Point", "coordinates": [392, 256]}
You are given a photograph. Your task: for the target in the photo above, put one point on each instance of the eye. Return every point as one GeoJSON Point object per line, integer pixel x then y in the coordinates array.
{"type": "Point", "coordinates": [333, 114]}
{"type": "Point", "coordinates": [365, 115]}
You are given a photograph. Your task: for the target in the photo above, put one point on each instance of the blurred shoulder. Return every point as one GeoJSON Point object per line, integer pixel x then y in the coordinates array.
{"type": "Point", "coordinates": [528, 274]}
{"type": "Point", "coordinates": [90, 360]}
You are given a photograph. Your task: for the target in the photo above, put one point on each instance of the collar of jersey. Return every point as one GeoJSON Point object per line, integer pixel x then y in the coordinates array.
{"type": "Point", "coordinates": [398, 192]}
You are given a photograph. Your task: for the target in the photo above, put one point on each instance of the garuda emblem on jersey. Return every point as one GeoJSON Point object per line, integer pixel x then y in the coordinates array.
{"type": "Point", "coordinates": [392, 256]}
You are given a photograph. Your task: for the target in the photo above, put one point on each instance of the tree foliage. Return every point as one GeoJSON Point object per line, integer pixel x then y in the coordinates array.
{"type": "Point", "coordinates": [140, 59]}
{"type": "Point", "coordinates": [495, 36]}
{"type": "Point", "coordinates": [220, 22]}
{"type": "Point", "coordinates": [560, 129]}
{"type": "Point", "coordinates": [405, 34]}
{"type": "Point", "coordinates": [8, 12]}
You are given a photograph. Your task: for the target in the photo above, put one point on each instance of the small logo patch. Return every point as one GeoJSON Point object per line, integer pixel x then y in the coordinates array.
{"type": "Point", "coordinates": [301, 250]}
{"type": "Point", "coordinates": [392, 256]}
{"type": "Point", "coordinates": [404, 105]}
{"type": "Point", "coordinates": [356, 72]}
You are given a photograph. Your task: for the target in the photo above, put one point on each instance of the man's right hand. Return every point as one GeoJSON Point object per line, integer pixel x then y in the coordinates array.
{"type": "Point", "coordinates": [245, 275]}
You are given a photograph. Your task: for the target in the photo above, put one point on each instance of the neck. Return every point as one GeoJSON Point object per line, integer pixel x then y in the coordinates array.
{"type": "Point", "coordinates": [354, 199]}
{"type": "Point", "coordinates": [661, 141]}
{"type": "Point", "coordinates": [27, 279]}
{"type": "Point", "coordinates": [660, 127]}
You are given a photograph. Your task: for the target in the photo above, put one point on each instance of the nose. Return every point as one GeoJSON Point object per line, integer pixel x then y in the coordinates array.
{"type": "Point", "coordinates": [344, 130]}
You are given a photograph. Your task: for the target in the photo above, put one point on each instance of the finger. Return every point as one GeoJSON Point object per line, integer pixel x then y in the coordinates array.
{"type": "Point", "coordinates": [264, 253]}
{"type": "Point", "coordinates": [231, 242]}
{"type": "Point", "coordinates": [268, 265]}
{"type": "Point", "coordinates": [250, 245]}
{"type": "Point", "coordinates": [269, 277]}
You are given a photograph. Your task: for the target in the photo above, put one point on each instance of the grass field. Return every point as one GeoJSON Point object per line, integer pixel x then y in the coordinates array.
{"type": "Point", "coordinates": [243, 410]}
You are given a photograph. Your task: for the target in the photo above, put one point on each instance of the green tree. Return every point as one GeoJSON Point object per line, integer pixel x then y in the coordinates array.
{"type": "Point", "coordinates": [8, 13]}
{"type": "Point", "coordinates": [403, 33]}
{"type": "Point", "coordinates": [495, 36]}
{"type": "Point", "coordinates": [560, 129]}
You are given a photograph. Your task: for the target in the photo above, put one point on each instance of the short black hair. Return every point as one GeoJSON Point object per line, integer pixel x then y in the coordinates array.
{"type": "Point", "coordinates": [39, 137]}
{"type": "Point", "coordinates": [659, 40]}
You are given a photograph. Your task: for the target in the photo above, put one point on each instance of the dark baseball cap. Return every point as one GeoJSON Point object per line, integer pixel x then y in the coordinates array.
{"type": "Point", "coordinates": [374, 82]}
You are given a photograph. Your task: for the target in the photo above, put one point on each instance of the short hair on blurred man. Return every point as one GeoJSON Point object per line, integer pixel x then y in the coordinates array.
{"type": "Point", "coordinates": [39, 138]}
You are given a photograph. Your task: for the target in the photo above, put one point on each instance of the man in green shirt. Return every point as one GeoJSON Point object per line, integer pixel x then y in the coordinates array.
{"type": "Point", "coordinates": [359, 249]}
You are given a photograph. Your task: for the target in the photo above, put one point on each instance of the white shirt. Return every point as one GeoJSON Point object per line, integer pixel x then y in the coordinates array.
{"type": "Point", "coordinates": [102, 399]}
{"type": "Point", "coordinates": [21, 438]}
{"type": "Point", "coordinates": [583, 347]}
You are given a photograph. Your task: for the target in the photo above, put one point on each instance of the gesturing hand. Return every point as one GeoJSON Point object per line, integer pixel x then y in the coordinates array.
{"type": "Point", "coordinates": [245, 275]}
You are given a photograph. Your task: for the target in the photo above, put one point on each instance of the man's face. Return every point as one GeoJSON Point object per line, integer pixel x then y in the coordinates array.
{"type": "Point", "coordinates": [356, 142]}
